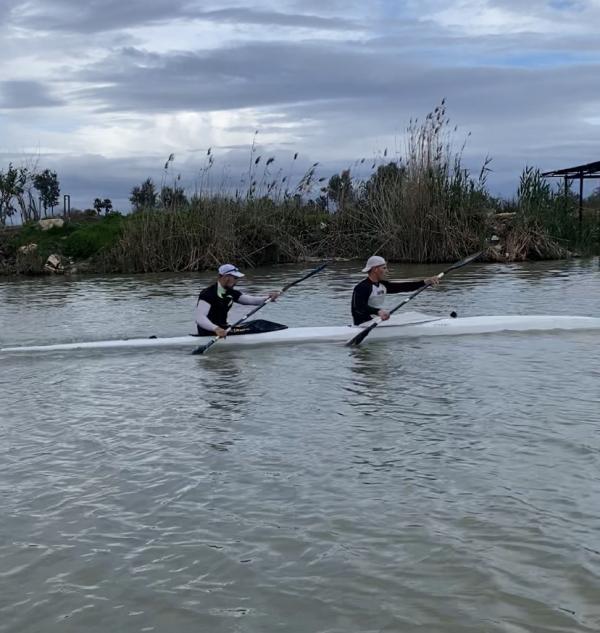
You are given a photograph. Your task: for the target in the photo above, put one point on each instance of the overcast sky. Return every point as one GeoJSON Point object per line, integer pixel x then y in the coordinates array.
{"type": "Point", "coordinates": [102, 91]}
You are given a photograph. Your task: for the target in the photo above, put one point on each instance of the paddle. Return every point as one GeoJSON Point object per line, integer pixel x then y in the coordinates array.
{"type": "Point", "coordinates": [203, 348]}
{"type": "Point", "coordinates": [361, 336]}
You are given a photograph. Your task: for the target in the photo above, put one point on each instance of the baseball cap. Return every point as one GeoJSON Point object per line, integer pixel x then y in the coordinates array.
{"type": "Point", "coordinates": [230, 269]}
{"type": "Point", "coordinates": [373, 262]}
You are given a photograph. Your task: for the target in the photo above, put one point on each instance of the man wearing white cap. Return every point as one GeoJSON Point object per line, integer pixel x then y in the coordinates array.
{"type": "Point", "coordinates": [369, 294]}
{"type": "Point", "coordinates": [215, 301]}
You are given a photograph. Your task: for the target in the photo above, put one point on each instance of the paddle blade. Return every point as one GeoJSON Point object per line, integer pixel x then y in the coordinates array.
{"type": "Point", "coordinates": [465, 261]}
{"type": "Point", "coordinates": [360, 337]}
{"type": "Point", "coordinates": [203, 348]}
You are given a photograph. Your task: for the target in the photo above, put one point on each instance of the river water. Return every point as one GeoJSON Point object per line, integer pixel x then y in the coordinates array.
{"type": "Point", "coordinates": [447, 484]}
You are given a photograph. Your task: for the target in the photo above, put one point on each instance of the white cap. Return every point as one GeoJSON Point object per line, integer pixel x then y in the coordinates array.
{"type": "Point", "coordinates": [230, 269]}
{"type": "Point", "coordinates": [373, 262]}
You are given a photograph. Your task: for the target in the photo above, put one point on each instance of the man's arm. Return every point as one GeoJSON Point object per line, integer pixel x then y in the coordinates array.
{"type": "Point", "coordinates": [250, 300]}
{"type": "Point", "coordinates": [402, 286]}
{"type": "Point", "coordinates": [202, 309]}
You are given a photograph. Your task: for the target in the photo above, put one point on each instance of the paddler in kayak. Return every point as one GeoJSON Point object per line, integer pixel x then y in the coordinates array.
{"type": "Point", "coordinates": [369, 295]}
{"type": "Point", "coordinates": [215, 302]}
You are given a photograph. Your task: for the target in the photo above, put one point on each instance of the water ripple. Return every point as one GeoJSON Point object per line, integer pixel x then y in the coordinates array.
{"type": "Point", "coordinates": [424, 485]}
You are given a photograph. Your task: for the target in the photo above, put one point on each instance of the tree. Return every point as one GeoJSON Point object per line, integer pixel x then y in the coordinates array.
{"type": "Point", "coordinates": [143, 196]}
{"type": "Point", "coordinates": [173, 197]}
{"type": "Point", "coordinates": [48, 187]}
{"type": "Point", "coordinates": [323, 203]}
{"type": "Point", "coordinates": [105, 205]}
{"type": "Point", "coordinates": [340, 188]}
{"type": "Point", "coordinates": [12, 185]}
{"type": "Point", "coordinates": [387, 180]}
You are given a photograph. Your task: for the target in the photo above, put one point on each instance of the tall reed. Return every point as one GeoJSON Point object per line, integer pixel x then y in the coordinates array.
{"type": "Point", "coordinates": [424, 206]}
{"type": "Point", "coordinates": [421, 205]}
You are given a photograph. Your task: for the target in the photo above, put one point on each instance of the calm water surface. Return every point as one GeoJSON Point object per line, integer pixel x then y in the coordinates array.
{"type": "Point", "coordinates": [443, 484]}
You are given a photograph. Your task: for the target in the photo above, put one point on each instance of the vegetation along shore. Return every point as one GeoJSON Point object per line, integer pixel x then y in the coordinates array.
{"type": "Point", "coordinates": [423, 206]}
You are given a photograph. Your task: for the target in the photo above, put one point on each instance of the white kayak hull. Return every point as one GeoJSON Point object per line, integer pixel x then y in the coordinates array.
{"type": "Point", "coordinates": [405, 326]}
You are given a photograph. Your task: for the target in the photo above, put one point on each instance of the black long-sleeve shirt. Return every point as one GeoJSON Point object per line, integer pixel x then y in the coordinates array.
{"type": "Point", "coordinates": [368, 296]}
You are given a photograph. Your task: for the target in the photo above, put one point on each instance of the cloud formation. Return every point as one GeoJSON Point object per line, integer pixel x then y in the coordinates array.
{"type": "Point", "coordinates": [109, 87]}
{"type": "Point", "coordinates": [17, 94]}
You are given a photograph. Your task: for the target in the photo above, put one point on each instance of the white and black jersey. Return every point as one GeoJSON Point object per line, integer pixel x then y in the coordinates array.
{"type": "Point", "coordinates": [368, 296]}
{"type": "Point", "coordinates": [214, 304]}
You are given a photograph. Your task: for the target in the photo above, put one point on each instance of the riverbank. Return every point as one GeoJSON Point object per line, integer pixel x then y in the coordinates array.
{"type": "Point", "coordinates": [421, 207]}
{"type": "Point", "coordinates": [253, 234]}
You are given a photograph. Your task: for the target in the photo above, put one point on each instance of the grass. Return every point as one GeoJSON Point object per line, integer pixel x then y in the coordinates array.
{"type": "Point", "coordinates": [91, 239]}
{"type": "Point", "coordinates": [84, 239]}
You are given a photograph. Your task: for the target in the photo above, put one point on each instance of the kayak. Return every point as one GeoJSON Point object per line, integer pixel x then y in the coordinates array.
{"type": "Point", "coordinates": [407, 325]}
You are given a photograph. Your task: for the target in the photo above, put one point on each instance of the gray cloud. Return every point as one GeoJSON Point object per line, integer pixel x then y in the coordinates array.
{"type": "Point", "coordinates": [260, 75]}
{"type": "Point", "coordinates": [15, 94]}
{"type": "Point", "coordinates": [250, 75]}
{"type": "Point", "coordinates": [527, 97]}
{"type": "Point", "coordinates": [93, 16]}
{"type": "Point", "coordinates": [88, 176]}
{"type": "Point", "coordinates": [240, 15]}
{"type": "Point", "coordinates": [96, 16]}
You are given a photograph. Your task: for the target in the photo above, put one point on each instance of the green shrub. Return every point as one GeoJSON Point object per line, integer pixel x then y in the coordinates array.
{"type": "Point", "coordinates": [50, 241]}
{"type": "Point", "coordinates": [88, 240]}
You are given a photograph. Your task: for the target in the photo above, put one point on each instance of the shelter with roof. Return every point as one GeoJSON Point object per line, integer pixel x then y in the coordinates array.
{"type": "Point", "coordinates": [588, 171]}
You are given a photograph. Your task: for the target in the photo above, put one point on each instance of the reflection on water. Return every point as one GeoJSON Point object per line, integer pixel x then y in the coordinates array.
{"type": "Point", "coordinates": [445, 484]}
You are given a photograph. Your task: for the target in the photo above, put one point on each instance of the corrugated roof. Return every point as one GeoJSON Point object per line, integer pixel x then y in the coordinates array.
{"type": "Point", "coordinates": [579, 170]}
